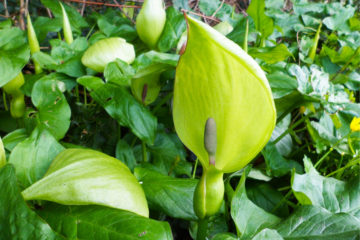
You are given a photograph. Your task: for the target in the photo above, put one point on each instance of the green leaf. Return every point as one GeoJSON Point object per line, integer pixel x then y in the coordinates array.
{"type": "Point", "coordinates": [33, 156]}
{"type": "Point", "coordinates": [44, 25]}
{"type": "Point", "coordinates": [329, 193]}
{"type": "Point", "coordinates": [271, 55]}
{"type": "Point", "coordinates": [90, 82]}
{"type": "Point", "coordinates": [267, 197]}
{"type": "Point", "coordinates": [316, 223]}
{"type": "Point", "coordinates": [123, 107]}
{"type": "Point", "coordinates": [268, 234]}
{"type": "Point", "coordinates": [281, 84]}
{"type": "Point", "coordinates": [173, 196]}
{"type": "Point", "coordinates": [237, 84]}
{"type": "Point", "coordinates": [125, 154]}
{"type": "Point", "coordinates": [53, 110]}
{"type": "Point", "coordinates": [277, 165]}
{"type": "Point", "coordinates": [225, 236]}
{"type": "Point", "coordinates": [2, 154]}
{"type": "Point", "coordinates": [168, 155]}
{"type": "Point", "coordinates": [263, 23]}
{"type": "Point", "coordinates": [285, 145]}
{"type": "Point", "coordinates": [119, 72]}
{"type": "Point", "coordinates": [89, 177]}
{"type": "Point", "coordinates": [99, 223]}
{"type": "Point", "coordinates": [17, 221]}
{"type": "Point", "coordinates": [175, 25]}
{"type": "Point", "coordinates": [248, 217]}
{"type": "Point", "coordinates": [14, 54]}
{"type": "Point", "coordinates": [339, 16]}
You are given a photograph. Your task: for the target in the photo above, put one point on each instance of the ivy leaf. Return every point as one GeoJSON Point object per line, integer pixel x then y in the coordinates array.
{"type": "Point", "coordinates": [33, 156]}
{"type": "Point", "coordinates": [312, 222]}
{"type": "Point", "coordinates": [16, 218]}
{"type": "Point", "coordinates": [98, 223]}
{"type": "Point", "coordinates": [334, 195]}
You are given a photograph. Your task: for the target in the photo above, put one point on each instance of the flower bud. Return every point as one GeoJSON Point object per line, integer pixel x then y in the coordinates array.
{"type": "Point", "coordinates": [108, 50]}
{"type": "Point", "coordinates": [151, 21]}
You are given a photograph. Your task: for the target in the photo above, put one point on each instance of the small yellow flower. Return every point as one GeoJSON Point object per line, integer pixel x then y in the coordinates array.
{"type": "Point", "coordinates": [355, 124]}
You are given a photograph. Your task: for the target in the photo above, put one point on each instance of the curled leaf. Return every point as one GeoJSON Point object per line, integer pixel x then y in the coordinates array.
{"type": "Point", "coordinates": [235, 93]}
{"type": "Point", "coordinates": [108, 50]}
{"type": "Point", "coordinates": [33, 43]}
{"type": "Point", "coordinates": [66, 27]}
{"type": "Point", "coordinates": [89, 177]}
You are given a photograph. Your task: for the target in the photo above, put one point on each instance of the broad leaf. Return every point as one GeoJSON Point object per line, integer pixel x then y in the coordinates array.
{"type": "Point", "coordinates": [99, 223]}
{"type": "Point", "coordinates": [268, 234]}
{"type": "Point", "coordinates": [174, 27]}
{"type": "Point", "coordinates": [235, 93]}
{"type": "Point", "coordinates": [89, 177]}
{"type": "Point", "coordinates": [315, 223]}
{"type": "Point", "coordinates": [281, 84]}
{"type": "Point", "coordinates": [173, 196]}
{"type": "Point", "coordinates": [14, 54]}
{"type": "Point", "coordinates": [17, 221]}
{"type": "Point", "coordinates": [124, 108]}
{"type": "Point", "coordinates": [329, 193]}
{"type": "Point", "coordinates": [248, 217]}
{"type": "Point", "coordinates": [263, 23]}
{"type": "Point", "coordinates": [271, 55]}
{"type": "Point", "coordinates": [54, 111]}
{"type": "Point", "coordinates": [33, 156]}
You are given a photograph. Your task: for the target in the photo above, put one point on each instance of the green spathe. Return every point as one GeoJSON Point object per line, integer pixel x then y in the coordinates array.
{"type": "Point", "coordinates": [66, 27]}
{"type": "Point", "coordinates": [235, 93]}
{"type": "Point", "coordinates": [89, 177]}
{"type": "Point", "coordinates": [108, 50]}
{"type": "Point", "coordinates": [151, 21]}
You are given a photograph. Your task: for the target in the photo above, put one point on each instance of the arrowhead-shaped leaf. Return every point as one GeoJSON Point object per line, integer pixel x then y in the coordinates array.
{"type": "Point", "coordinates": [235, 93]}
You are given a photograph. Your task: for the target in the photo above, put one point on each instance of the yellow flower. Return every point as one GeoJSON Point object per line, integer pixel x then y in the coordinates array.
{"type": "Point", "coordinates": [355, 124]}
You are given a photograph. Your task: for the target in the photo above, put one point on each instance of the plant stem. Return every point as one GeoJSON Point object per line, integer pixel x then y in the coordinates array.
{"type": "Point", "coordinates": [144, 153]}
{"type": "Point", "coordinates": [5, 103]}
{"type": "Point", "coordinates": [284, 199]}
{"type": "Point", "coordinates": [245, 44]}
{"type": "Point", "coordinates": [77, 93]}
{"type": "Point", "coordinates": [323, 157]}
{"type": "Point", "coordinates": [85, 97]}
{"type": "Point", "coordinates": [195, 167]}
{"type": "Point", "coordinates": [289, 129]}
{"type": "Point", "coordinates": [202, 229]}
{"type": "Point", "coordinates": [349, 164]}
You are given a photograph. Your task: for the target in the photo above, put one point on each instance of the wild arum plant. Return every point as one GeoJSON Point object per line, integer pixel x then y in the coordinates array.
{"type": "Point", "coordinates": [223, 109]}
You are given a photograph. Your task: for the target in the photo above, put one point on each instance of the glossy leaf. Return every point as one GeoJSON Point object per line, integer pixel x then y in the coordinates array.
{"type": "Point", "coordinates": [123, 107]}
{"type": "Point", "coordinates": [89, 177]}
{"type": "Point", "coordinates": [98, 223]}
{"type": "Point", "coordinates": [314, 223]}
{"type": "Point", "coordinates": [263, 23]}
{"type": "Point", "coordinates": [17, 221]}
{"type": "Point", "coordinates": [329, 193]}
{"type": "Point", "coordinates": [271, 55]}
{"type": "Point", "coordinates": [54, 111]}
{"type": "Point", "coordinates": [173, 196]}
{"type": "Point", "coordinates": [14, 54]}
{"type": "Point", "coordinates": [268, 234]}
{"type": "Point", "coordinates": [107, 50]}
{"type": "Point", "coordinates": [248, 217]}
{"type": "Point", "coordinates": [235, 94]}
{"type": "Point", "coordinates": [33, 156]}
